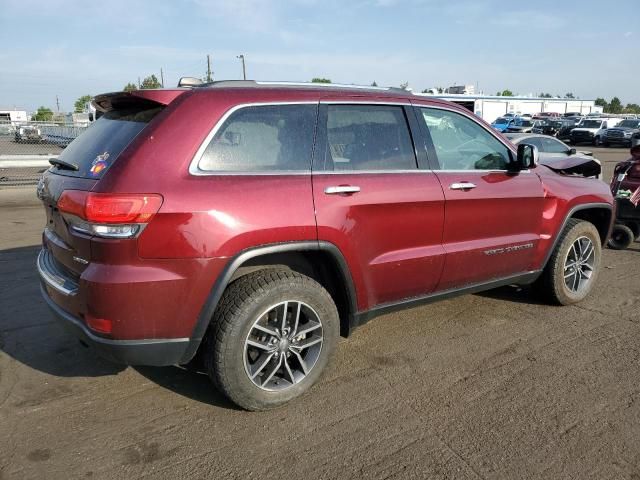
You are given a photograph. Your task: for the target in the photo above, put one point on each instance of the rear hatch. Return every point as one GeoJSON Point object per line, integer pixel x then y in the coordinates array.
{"type": "Point", "coordinates": [83, 163]}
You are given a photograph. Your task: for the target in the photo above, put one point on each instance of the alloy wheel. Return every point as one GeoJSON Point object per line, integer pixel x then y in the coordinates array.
{"type": "Point", "coordinates": [283, 345]}
{"type": "Point", "coordinates": [579, 264]}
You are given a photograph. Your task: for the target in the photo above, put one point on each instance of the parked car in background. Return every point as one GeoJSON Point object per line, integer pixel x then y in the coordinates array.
{"type": "Point", "coordinates": [502, 123]}
{"type": "Point", "coordinates": [568, 124]}
{"type": "Point", "coordinates": [520, 125]}
{"type": "Point", "coordinates": [621, 134]}
{"type": "Point", "coordinates": [546, 127]}
{"type": "Point", "coordinates": [27, 134]}
{"type": "Point", "coordinates": [552, 151]}
{"type": "Point", "coordinates": [542, 115]}
{"type": "Point", "coordinates": [592, 130]}
{"type": "Point", "coordinates": [172, 234]}
{"type": "Point", "coordinates": [572, 115]}
{"type": "Point", "coordinates": [635, 139]}
{"type": "Point", "coordinates": [6, 128]}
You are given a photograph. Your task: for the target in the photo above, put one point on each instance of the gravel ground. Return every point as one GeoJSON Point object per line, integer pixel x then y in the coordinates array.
{"type": "Point", "coordinates": [482, 386]}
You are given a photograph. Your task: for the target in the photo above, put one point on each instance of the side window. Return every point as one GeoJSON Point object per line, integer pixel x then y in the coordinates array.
{"type": "Point", "coordinates": [462, 144]}
{"type": "Point", "coordinates": [368, 137]}
{"type": "Point", "coordinates": [535, 141]}
{"type": "Point", "coordinates": [262, 139]}
{"type": "Point", "coordinates": [551, 145]}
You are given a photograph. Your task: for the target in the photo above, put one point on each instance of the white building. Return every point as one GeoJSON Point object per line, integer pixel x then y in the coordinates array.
{"type": "Point", "coordinates": [13, 116]}
{"type": "Point", "coordinates": [461, 90]}
{"type": "Point", "coordinates": [490, 107]}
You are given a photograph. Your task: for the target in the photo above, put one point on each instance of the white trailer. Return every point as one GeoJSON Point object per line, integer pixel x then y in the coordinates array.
{"type": "Point", "coordinates": [13, 116]}
{"type": "Point", "coordinates": [490, 107]}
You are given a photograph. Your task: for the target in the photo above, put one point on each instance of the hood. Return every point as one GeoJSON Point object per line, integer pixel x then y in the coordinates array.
{"type": "Point", "coordinates": [572, 165]}
{"type": "Point", "coordinates": [585, 129]}
{"type": "Point", "coordinates": [624, 129]}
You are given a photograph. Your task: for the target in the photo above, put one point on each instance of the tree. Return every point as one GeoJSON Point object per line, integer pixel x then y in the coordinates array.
{"type": "Point", "coordinates": [404, 86]}
{"type": "Point", "coordinates": [150, 82]}
{"type": "Point", "coordinates": [615, 106]}
{"type": "Point", "coordinates": [601, 102]}
{"type": "Point", "coordinates": [320, 80]}
{"type": "Point", "coordinates": [507, 93]}
{"type": "Point", "coordinates": [81, 104]}
{"type": "Point", "coordinates": [569, 95]}
{"type": "Point", "coordinates": [374, 84]}
{"type": "Point", "coordinates": [43, 114]}
{"type": "Point", "coordinates": [130, 87]}
{"type": "Point", "coordinates": [545, 95]}
{"type": "Point", "coordinates": [632, 108]}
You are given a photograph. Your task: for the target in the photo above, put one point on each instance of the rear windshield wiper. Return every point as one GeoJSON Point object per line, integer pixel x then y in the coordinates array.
{"type": "Point", "coordinates": [63, 165]}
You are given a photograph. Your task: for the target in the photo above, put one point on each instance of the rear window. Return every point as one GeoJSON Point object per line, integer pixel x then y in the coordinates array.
{"type": "Point", "coordinates": [97, 148]}
{"type": "Point", "coordinates": [269, 138]}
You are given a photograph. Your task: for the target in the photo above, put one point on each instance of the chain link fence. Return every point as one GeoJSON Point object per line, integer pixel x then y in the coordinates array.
{"type": "Point", "coordinates": [26, 147]}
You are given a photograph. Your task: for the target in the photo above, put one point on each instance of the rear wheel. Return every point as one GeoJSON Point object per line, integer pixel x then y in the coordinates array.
{"type": "Point", "coordinates": [621, 237]}
{"type": "Point", "coordinates": [271, 337]}
{"type": "Point", "coordinates": [572, 270]}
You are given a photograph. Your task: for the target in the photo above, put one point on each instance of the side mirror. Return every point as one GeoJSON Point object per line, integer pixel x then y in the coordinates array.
{"type": "Point", "coordinates": [527, 157]}
{"type": "Point", "coordinates": [571, 151]}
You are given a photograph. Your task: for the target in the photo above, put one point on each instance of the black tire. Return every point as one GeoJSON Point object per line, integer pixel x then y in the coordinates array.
{"type": "Point", "coordinates": [242, 304]}
{"type": "Point", "coordinates": [597, 142]}
{"type": "Point", "coordinates": [635, 228]}
{"type": "Point", "coordinates": [621, 237]}
{"type": "Point", "coordinates": [551, 285]}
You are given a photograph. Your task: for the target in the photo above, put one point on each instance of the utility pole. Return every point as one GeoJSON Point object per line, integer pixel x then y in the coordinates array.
{"type": "Point", "coordinates": [208, 68]}
{"type": "Point", "coordinates": [57, 104]}
{"type": "Point", "coordinates": [244, 70]}
{"type": "Point", "coordinates": [139, 86]}
{"type": "Point", "coordinates": [161, 78]}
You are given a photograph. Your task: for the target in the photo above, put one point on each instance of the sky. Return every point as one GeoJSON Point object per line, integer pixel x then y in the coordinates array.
{"type": "Point", "coordinates": [69, 48]}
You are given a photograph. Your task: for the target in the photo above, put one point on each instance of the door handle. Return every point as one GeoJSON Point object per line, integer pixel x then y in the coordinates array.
{"type": "Point", "coordinates": [341, 189]}
{"type": "Point", "coordinates": [462, 186]}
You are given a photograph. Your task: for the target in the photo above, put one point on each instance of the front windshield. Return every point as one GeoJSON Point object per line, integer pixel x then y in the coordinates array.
{"type": "Point", "coordinates": [591, 124]}
{"type": "Point", "coordinates": [502, 120]}
{"type": "Point", "coordinates": [629, 124]}
{"type": "Point", "coordinates": [523, 123]}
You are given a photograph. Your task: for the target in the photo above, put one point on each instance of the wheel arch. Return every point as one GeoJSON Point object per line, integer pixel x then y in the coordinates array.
{"type": "Point", "coordinates": [599, 214]}
{"type": "Point", "coordinates": [321, 261]}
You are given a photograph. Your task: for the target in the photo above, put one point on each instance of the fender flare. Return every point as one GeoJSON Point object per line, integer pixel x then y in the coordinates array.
{"type": "Point", "coordinates": [577, 208]}
{"type": "Point", "coordinates": [221, 283]}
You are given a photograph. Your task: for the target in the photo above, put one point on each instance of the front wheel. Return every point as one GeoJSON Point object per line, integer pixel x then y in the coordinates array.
{"type": "Point", "coordinates": [572, 270]}
{"type": "Point", "coordinates": [271, 337]}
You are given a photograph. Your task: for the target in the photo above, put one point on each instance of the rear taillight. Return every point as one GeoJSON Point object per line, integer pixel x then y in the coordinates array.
{"type": "Point", "coordinates": [108, 215]}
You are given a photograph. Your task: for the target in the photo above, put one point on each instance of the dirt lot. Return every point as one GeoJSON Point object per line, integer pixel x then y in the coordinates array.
{"type": "Point", "coordinates": [482, 386]}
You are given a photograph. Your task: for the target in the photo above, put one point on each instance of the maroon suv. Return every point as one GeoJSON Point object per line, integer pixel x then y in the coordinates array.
{"type": "Point", "coordinates": [254, 223]}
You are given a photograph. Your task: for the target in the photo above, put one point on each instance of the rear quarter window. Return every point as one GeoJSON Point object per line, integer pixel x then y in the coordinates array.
{"type": "Point", "coordinates": [268, 138]}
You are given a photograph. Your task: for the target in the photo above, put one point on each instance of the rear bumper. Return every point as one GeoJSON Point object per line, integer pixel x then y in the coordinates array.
{"type": "Point", "coordinates": [153, 352]}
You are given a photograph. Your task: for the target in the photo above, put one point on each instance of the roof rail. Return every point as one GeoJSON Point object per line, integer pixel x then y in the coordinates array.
{"type": "Point", "coordinates": [194, 82]}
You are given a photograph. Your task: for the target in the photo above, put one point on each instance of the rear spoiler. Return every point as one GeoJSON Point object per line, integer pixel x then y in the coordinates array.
{"type": "Point", "coordinates": [111, 101]}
